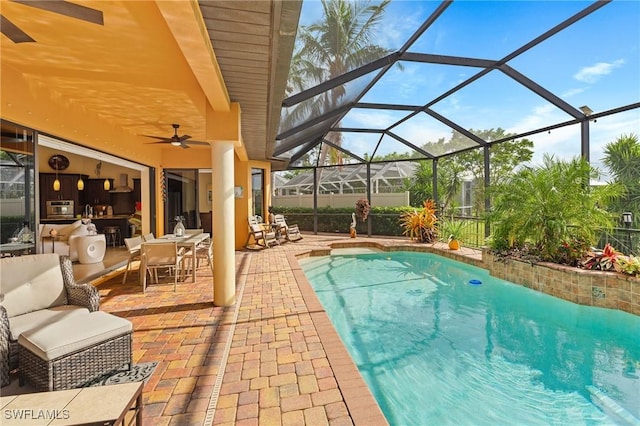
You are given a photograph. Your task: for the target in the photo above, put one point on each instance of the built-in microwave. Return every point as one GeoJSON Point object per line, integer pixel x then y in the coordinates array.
{"type": "Point", "coordinates": [60, 209]}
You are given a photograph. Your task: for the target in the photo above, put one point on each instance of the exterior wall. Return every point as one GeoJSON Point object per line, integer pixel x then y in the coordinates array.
{"type": "Point", "coordinates": [341, 200]}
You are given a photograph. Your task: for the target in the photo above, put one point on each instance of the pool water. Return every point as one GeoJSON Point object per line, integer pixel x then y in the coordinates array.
{"type": "Point", "coordinates": [435, 349]}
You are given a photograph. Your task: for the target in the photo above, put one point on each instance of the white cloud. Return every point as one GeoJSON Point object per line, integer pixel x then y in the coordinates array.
{"type": "Point", "coordinates": [593, 73]}
{"type": "Point", "coordinates": [572, 92]}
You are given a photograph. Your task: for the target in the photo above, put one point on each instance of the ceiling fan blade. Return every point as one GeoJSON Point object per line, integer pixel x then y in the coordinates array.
{"type": "Point", "coordinates": [14, 33]}
{"type": "Point", "coordinates": [157, 137]}
{"type": "Point", "coordinates": [197, 143]}
{"type": "Point", "coordinates": [65, 8]}
{"type": "Point", "coordinates": [150, 143]}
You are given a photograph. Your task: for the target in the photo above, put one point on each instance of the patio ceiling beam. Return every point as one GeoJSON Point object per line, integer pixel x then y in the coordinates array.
{"type": "Point", "coordinates": [306, 148]}
{"type": "Point", "coordinates": [425, 26]}
{"type": "Point", "coordinates": [340, 80]}
{"type": "Point", "coordinates": [344, 150]}
{"type": "Point", "coordinates": [409, 144]}
{"type": "Point", "coordinates": [566, 23]}
{"type": "Point", "coordinates": [553, 31]}
{"type": "Point", "coordinates": [298, 141]}
{"type": "Point", "coordinates": [541, 91]}
{"type": "Point", "coordinates": [395, 107]}
{"type": "Point", "coordinates": [316, 120]}
{"type": "Point", "coordinates": [455, 126]}
{"type": "Point", "coordinates": [384, 63]}
{"type": "Point", "coordinates": [448, 60]}
{"type": "Point", "coordinates": [569, 123]}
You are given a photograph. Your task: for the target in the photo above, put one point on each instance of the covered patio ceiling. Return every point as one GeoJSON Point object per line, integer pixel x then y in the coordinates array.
{"type": "Point", "coordinates": [365, 113]}
{"type": "Point", "coordinates": [143, 69]}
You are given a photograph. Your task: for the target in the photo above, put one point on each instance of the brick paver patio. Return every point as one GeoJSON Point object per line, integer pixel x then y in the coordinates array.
{"type": "Point", "coordinates": [272, 359]}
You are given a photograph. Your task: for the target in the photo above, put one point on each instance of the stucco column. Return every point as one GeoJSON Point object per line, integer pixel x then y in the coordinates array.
{"type": "Point", "coordinates": [224, 270]}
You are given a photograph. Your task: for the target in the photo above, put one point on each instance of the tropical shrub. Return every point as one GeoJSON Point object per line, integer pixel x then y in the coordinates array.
{"type": "Point", "coordinates": [571, 252]}
{"type": "Point", "coordinates": [629, 265]}
{"type": "Point", "coordinates": [622, 158]}
{"type": "Point", "coordinates": [544, 207]}
{"type": "Point", "coordinates": [604, 260]}
{"type": "Point", "coordinates": [421, 224]}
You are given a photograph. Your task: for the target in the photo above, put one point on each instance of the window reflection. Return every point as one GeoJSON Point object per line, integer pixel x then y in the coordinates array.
{"type": "Point", "coordinates": [17, 177]}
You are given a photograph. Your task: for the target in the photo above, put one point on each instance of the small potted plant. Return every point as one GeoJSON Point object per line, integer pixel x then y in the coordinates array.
{"type": "Point", "coordinates": [362, 209]}
{"type": "Point", "coordinates": [451, 231]}
{"type": "Point", "coordinates": [361, 212]}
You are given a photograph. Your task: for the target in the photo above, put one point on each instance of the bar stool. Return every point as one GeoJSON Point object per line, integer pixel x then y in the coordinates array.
{"type": "Point", "coordinates": [112, 235]}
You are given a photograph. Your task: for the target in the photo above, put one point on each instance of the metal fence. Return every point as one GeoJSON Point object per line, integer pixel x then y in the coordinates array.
{"type": "Point", "coordinates": [624, 240]}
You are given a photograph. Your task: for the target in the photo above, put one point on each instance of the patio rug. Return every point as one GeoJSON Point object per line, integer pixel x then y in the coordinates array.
{"type": "Point", "coordinates": [138, 373]}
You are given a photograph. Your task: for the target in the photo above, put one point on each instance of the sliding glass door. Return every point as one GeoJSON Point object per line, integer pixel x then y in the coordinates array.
{"type": "Point", "coordinates": [182, 198]}
{"type": "Point", "coordinates": [17, 177]}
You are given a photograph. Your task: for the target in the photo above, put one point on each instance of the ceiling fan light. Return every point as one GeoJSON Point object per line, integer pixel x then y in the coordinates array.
{"type": "Point", "coordinates": [56, 185]}
{"type": "Point", "coordinates": [106, 185]}
{"type": "Point", "coordinates": [176, 143]}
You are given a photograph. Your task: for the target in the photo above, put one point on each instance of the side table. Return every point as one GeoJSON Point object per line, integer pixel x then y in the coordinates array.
{"type": "Point", "coordinates": [91, 248]}
{"type": "Point", "coordinates": [53, 241]}
{"type": "Point", "coordinates": [102, 405]}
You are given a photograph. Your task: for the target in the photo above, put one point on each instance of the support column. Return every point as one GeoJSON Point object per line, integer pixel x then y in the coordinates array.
{"type": "Point", "coordinates": [222, 194]}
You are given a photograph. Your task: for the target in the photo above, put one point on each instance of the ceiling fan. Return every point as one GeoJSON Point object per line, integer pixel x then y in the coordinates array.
{"type": "Point", "coordinates": [61, 7]}
{"type": "Point", "coordinates": [176, 140]}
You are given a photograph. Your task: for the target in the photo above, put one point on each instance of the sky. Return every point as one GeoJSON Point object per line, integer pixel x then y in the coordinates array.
{"type": "Point", "coordinates": [595, 62]}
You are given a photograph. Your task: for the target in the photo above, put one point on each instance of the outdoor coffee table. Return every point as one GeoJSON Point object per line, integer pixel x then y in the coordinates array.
{"type": "Point", "coordinates": [101, 405]}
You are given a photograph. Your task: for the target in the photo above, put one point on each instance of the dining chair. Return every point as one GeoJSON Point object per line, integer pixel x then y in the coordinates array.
{"type": "Point", "coordinates": [133, 246]}
{"type": "Point", "coordinates": [162, 255]}
{"type": "Point", "coordinates": [148, 237]}
{"type": "Point", "coordinates": [205, 251]}
{"type": "Point", "coordinates": [193, 231]}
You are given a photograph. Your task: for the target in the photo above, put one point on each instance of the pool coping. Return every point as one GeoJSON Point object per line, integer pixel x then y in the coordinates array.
{"type": "Point", "coordinates": [362, 406]}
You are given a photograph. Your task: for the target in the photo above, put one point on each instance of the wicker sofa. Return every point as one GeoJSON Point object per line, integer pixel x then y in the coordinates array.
{"type": "Point", "coordinates": [36, 291]}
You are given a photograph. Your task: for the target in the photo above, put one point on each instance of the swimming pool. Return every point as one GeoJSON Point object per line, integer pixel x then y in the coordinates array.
{"type": "Point", "coordinates": [435, 349]}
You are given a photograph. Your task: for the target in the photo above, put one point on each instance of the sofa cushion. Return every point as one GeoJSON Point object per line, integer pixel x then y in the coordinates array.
{"type": "Point", "coordinates": [64, 230]}
{"type": "Point", "coordinates": [38, 319]}
{"type": "Point", "coordinates": [30, 283]}
{"type": "Point", "coordinates": [74, 334]}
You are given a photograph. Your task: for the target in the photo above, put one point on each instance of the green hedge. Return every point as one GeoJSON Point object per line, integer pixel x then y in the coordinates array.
{"type": "Point", "coordinates": [9, 225]}
{"type": "Point", "coordinates": [384, 220]}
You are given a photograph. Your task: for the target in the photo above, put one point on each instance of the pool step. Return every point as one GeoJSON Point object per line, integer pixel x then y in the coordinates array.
{"type": "Point", "coordinates": [612, 408]}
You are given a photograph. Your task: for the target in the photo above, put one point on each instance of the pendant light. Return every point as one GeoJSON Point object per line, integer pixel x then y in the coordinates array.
{"type": "Point", "coordinates": [107, 185]}
{"type": "Point", "coordinates": [56, 183]}
{"type": "Point", "coordinates": [80, 183]}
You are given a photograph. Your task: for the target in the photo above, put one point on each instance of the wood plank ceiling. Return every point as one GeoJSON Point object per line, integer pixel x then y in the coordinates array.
{"type": "Point", "coordinates": [253, 42]}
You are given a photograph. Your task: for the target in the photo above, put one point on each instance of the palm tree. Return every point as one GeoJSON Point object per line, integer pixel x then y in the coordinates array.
{"type": "Point", "coordinates": [622, 157]}
{"type": "Point", "coordinates": [342, 41]}
{"type": "Point", "coordinates": [548, 206]}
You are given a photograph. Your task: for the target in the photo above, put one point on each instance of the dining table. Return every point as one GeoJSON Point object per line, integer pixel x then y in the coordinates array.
{"type": "Point", "coordinates": [187, 241]}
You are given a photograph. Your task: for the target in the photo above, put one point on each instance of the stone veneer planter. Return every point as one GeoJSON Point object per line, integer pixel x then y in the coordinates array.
{"type": "Point", "coordinates": [591, 288]}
